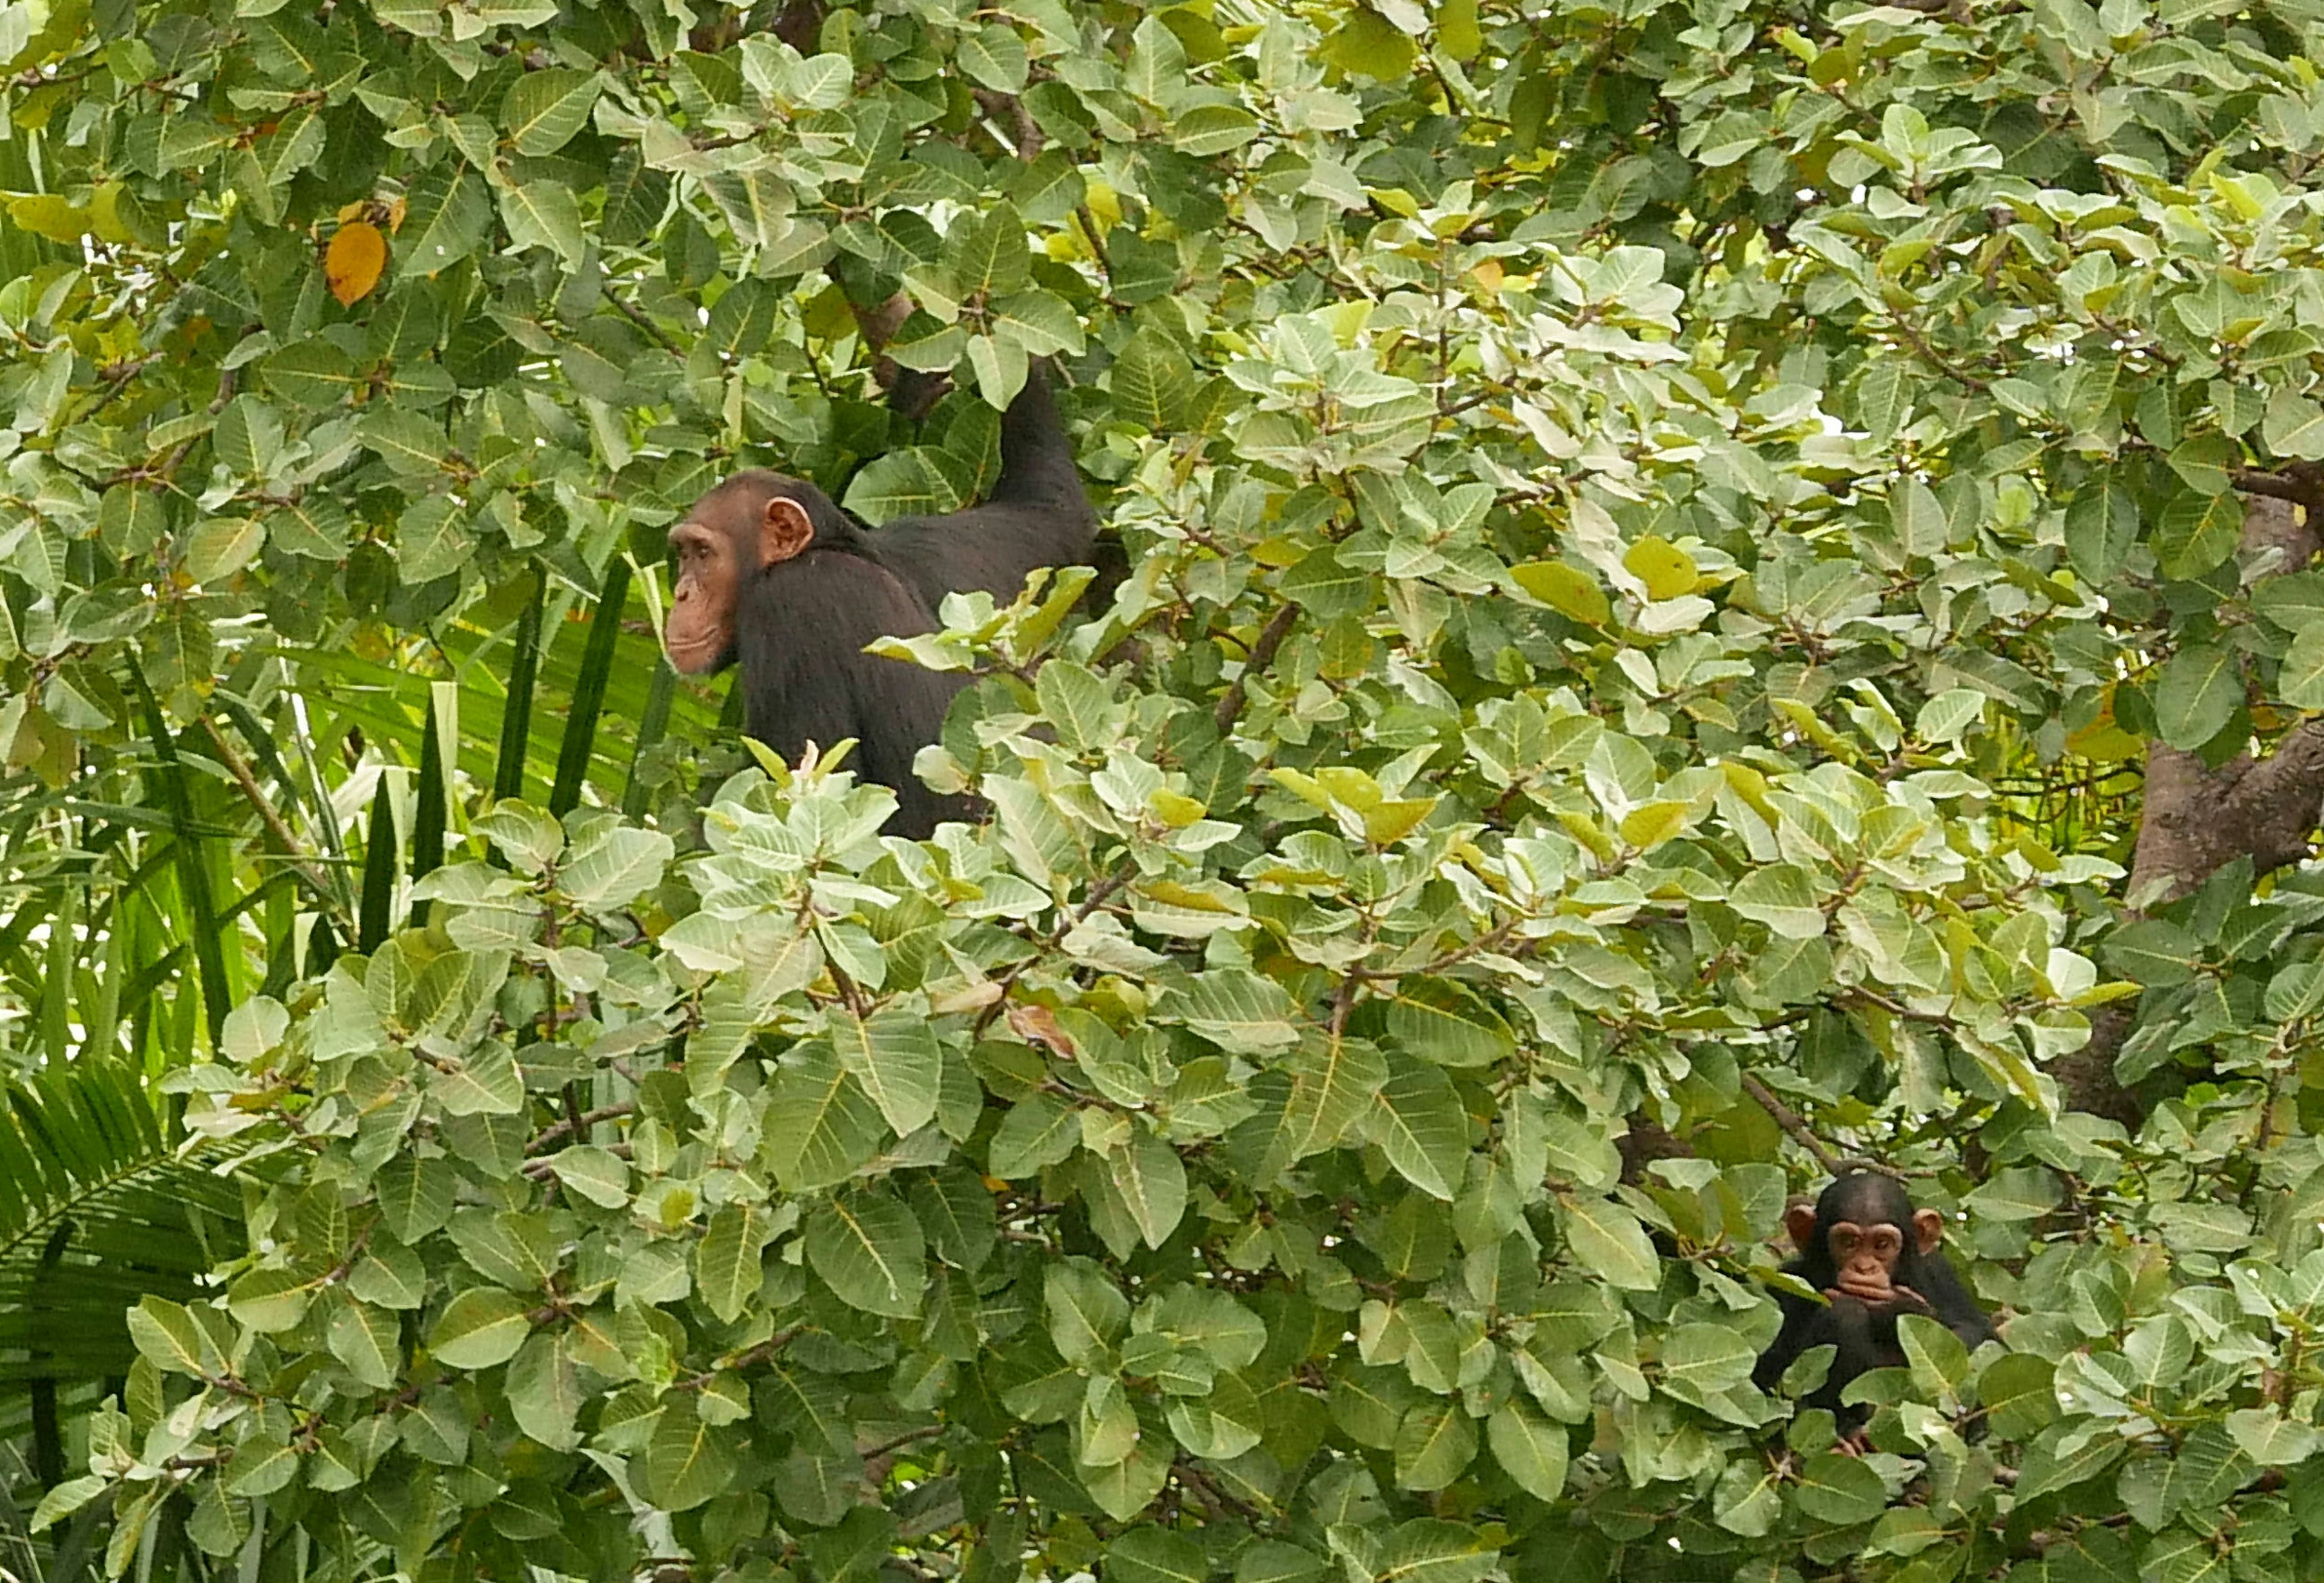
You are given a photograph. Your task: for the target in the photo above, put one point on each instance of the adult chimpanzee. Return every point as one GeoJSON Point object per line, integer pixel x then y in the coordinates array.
{"type": "Point", "coordinates": [1874, 1258]}
{"type": "Point", "coordinates": [774, 575]}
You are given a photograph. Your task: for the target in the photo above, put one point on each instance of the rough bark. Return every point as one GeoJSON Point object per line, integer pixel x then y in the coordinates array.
{"type": "Point", "coordinates": [2195, 820]}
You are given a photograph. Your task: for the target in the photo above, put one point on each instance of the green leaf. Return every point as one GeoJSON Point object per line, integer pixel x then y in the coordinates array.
{"type": "Point", "coordinates": [261, 1468]}
{"type": "Point", "coordinates": [894, 1056]}
{"type": "Point", "coordinates": [2155, 953]}
{"type": "Point", "coordinates": [2300, 679]}
{"type": "Point", "coordinates": [2063, 1456]}
{"type": "Point", "coordinates": [368, 1341]}
{"type": "Point", "coordinates": [993, 57]}
{"type": "Point", "coordinates": [819, 1126]}
{"type": "Point", "coordinates": [165, 1332]}
{"type": "Point", "coordinates": [1150, 381]}
{"type": "Point", "coordinates": [545, 214]}
{"type": "Point", "coordinates": [1439, 1021]}
{"type": "Point", "coordinates": [688, 1462]}
{"type": "Point", "coordinates": [405, 441]}
{"type": "Point", "coordinates": [2294, 425]}
{"type": "Point", "coordinates": [726, 1272]}
{"type": "Point", "coordinates": [1087, 1312]}
{"type": "Point", "coordinates": [544, 110]}
{"type": "Point", "coordinates": [447, 219]}
{"type": "Point", "coordinates": [545, 1394]}
{"type": "Point", "coordinates": [867, 1247]}
{"type": "Point", "coordinates": [1153, 1555]}
{"type": "Point", "coordinates": [1418, 1122]}
{"type": "Point", "coordinates": [1783, 897]}
{"type": "Point", "coordinates": [1208, 1319]}
{"type": "Point", "coordinates": [1706, 1357]}
{"type": "Point", "coordinates": [1237, 1009]}
{"type": "Point", "coordinates": [479, 1328]}
{"type": "Point", "coordinates": [988, 253]}
{"type": "Point", "coordinates": [1435, 1441]}
{"type": "Point", "coordinates": [2018, 1395]}
{"type": "Point", "coordinates": [1529, 1448]}
{"type": "Point", "coordinates": [1036, 1133]}
{"type": "Point", "coordinates": [1152, 1181]}
{"type": "Point", "coordinates": [2200, 689]}
{"type": "Point", "coordinates": [1939, 1358]}
{"type": "Point", "coordinates": [917, 481]}
{"type": "Point", "coordinates": [1838, 1489]}
{"type": "Point", "coordinates": [269, 1299]}
{"type": "Point", "coordinates": [1426, 1549]}
{"type": "Point", "coordinates": [1128, 1486]}
{"type": "Point", "coordinates": [1607, 1239]}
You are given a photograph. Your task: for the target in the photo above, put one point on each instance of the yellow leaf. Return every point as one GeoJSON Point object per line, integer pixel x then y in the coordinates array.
{"type": "Point", "coordinates": [1583, 828]}
{"type": "Point", "coordinates": [2044, 861]}
{"type": "Point", "coordinates": [1346, 320]}
{"type": "Point", "coordinates": [44, 213]}
{"type": "Point", "coordinates": [1176, 809]}
{"type": "Point", "coordinates": [1170, 893]}
{"type": "Point", "coordinates": [1349, 786]}
{"type": "Point", "coordinates": [2102, 741]}
{"type": "Point", "coordinates": [1668, 571]}
{"type": "Point", "coordinates": [353, 263]}
{"type": "Point", "coordinates": [105, 214]}
{"type": "Point", "coordinates": [1457, 33]}
{"type": "Point", "coordinates": [1303, 787]}
{"type": "Point", "coordinates": [1489, 275]}
{"type": "Point", "coordinates": [1103, 205]}
{"type": "Point", "coordinates": [1650, 825]}
{"type": "Point", "coordinates": [1369, 43]}
{"type": "Point", "coordinates": [1570, 592]}
{"type": "Point", "coordinates": [1393, 820]}
{"type": "Point", "coordinates": [828, 316]}
{"type": "Point", "coordinates": [1752, 787]}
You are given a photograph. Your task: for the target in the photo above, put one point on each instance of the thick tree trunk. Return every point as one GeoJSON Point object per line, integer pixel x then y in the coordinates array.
{"type": "Point", "coordinates": [2195, 821]}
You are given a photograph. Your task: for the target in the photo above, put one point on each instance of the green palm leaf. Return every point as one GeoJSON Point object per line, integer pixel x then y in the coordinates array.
{"type": "Point", "coordinates": [99, 1204]}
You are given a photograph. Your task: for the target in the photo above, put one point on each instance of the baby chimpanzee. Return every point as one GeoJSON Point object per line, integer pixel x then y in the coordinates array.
{"type": "Point", "coordinates": [1874, 1258]}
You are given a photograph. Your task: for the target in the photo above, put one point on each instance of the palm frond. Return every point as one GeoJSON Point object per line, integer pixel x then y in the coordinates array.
{"type": "Point", "coordinates": [99, 1205]}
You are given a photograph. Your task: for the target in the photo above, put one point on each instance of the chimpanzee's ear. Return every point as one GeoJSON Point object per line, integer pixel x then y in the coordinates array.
{"type": "Point", "coordinates": [1800, 1221]}
{"type": "Point", "coordinates": [1928, 1229]}
{"type": "Point", "coordinates": [784, 531]}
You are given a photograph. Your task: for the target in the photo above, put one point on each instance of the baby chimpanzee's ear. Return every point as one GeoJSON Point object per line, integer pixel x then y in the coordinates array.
{"type": "Point", "coordinates": [1928, 1229]}
{"type": "Point", "coordinates": [1800, 1221]}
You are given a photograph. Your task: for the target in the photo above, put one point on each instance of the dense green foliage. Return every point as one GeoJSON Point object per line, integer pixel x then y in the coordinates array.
{"type": "Point", "coordinates": [1661, 538]}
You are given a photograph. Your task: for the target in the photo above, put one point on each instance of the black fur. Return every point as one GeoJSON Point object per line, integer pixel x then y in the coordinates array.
{"type": "Point", "coordinates": [802, 623]}
{"type": "Point", "coordinates": [1863, 1335]}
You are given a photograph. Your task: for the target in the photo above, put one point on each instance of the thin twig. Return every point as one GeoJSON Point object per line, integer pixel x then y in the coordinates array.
{"type": "Point", "coordinates": [636, 316]}
{"type": "Point", "coordinates": [1262, 655]}
{"type": "Point", "coordinates": [745, 1359]}
{"type": "Point", "coordinates": [926, 1431]}
{"type": "Point", "coordinates": [1789, 1120]}
{"type": "Point", "coordinates": [1936, 360]}
{"type": "Point", "coordinates": [581, 1123]}
{"type": "Point", "coordinates": [237, 767]}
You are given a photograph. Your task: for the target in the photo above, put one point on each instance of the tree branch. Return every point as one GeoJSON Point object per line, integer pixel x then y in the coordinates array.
{"type": "Point", "coordinates": [1262, 655]}
{"type": "Point", "coordinates": [1791, 1121]}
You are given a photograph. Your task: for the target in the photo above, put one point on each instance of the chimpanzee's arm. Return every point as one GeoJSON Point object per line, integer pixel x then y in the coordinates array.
{"type": "Point", "coordinates": [803, 625]}
{"type": "Point", "coordinates": [1036, 456]}
{"type": "Point", "coordinates": [1862, 1338]}
{"type": "Point", "coordinates": [1950, 1303]}
{"type": "Point", "coordinates": [1036, 515]}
